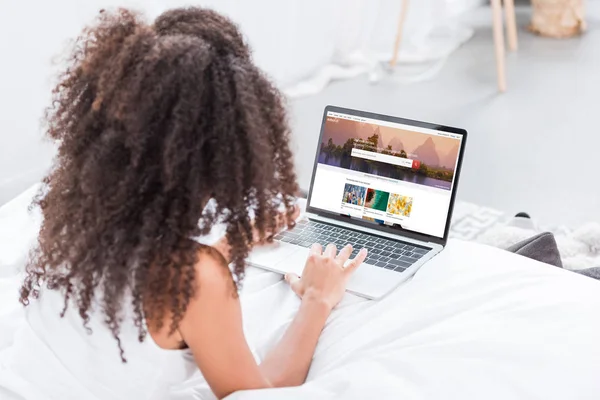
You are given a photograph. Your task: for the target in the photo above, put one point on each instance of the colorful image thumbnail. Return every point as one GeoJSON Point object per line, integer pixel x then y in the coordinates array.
{"type": "Point", "coordinates": [400, 205]}
{"type": "Point", "coordinates": [354, 194]}
{"type": "Point", "coordinates": [377, 199]}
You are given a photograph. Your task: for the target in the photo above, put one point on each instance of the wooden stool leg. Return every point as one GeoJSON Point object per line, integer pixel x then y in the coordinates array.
{"type": "Point", "coordinates": [511, 24]}
{"type": "Point", "coordinates": [401, 19]}
{"type": "Point", "coordinates": [499, 44]}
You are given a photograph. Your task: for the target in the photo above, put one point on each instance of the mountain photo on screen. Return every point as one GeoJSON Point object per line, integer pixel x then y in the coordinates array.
{"type": "Point", "coordinates": [435, 155]}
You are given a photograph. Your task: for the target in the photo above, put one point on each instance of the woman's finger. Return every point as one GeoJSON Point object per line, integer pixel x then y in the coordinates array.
{"type": "Point", "coordinates": [295, 283]}
{"type": "Point", "coordinates": [344, 254]}
{"type": "Point", "coordinates": [330, 250]}
{"type": "Point", "coordinates": [316, 249]}
{"type": "Point", "coordinates": [353, 264]}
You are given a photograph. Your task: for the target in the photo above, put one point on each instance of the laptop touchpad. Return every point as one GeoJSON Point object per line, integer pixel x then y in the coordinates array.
{"type": "Point", "coordinates": [295, 262]}
{"type": "Point", "coordinates": [268, 255]}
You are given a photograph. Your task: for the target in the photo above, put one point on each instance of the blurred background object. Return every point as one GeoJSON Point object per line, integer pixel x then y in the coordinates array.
{"type": "Point", "coordinates": [558, 18]}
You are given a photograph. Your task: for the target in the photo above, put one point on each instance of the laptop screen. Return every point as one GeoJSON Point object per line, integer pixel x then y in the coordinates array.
{"type": "Point", "coordinates": [385, 172]}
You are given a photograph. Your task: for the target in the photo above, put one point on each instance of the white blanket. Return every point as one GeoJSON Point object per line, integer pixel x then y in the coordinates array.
{"type": "Point", "coordinates": [476, 322]}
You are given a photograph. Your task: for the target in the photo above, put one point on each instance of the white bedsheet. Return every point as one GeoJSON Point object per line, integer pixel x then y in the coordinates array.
{"type": "Point", "coordinates": [476, 322]}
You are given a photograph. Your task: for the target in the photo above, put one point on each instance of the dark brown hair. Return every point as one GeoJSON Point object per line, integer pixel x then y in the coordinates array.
{"type": "Point", "coordinates": [152, 121]}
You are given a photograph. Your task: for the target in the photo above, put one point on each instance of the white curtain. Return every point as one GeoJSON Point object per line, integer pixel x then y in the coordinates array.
{"type": "Point", "coordinates": [303, 44]}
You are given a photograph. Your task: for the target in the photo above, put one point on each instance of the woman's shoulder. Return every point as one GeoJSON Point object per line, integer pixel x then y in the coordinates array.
{"type": "Point", "coordinates": [212, 270]}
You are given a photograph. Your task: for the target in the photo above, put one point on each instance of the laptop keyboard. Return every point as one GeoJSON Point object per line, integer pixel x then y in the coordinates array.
{"type": "Point", "coordinates": [382, 252]}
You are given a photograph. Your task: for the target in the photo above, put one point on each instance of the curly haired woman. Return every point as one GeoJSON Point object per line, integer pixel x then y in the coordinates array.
{"type": "Point", "coordinates": [164, 130]}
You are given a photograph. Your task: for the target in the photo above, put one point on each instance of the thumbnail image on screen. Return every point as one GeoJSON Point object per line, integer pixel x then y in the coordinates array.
{"type": "Point", "coordinates": [354, 194]}
{"type": "Point", "coordinates": [400, 205]}
{"type": "Point", "coordinates": [377, 199]}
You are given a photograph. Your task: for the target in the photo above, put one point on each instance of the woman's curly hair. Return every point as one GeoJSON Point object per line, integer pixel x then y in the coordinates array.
{"type": "Point", "coordinates": [152, 122]}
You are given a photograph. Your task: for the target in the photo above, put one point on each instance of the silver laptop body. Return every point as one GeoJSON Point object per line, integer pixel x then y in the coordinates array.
{"type": "Point", "coordinates": [380, 182]}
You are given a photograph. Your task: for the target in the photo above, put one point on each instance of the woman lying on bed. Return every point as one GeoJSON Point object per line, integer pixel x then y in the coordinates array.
{"type": "Point", "coordinates": [153, 123]}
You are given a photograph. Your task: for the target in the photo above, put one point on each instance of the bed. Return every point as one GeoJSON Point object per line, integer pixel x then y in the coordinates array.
{"type": "Point", "coordinates": [475, 322]}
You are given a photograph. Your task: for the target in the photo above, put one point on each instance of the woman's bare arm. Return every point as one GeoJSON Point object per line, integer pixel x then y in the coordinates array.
{"type": "Point", "coordinates": [212, 326]}
{"type": "Point", "coordinates": [288, 363]}
{"type": "Point", "coordinates": [321, 287]}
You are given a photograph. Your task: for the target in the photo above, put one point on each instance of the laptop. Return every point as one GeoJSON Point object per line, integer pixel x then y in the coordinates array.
{"type": "Point", "coordinates": [384, 183]}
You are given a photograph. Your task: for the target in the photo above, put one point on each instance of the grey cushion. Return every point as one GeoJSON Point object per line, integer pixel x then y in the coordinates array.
{"type": "Point", "coordinates": [540, 247]}
{"type": "Point", "coordinates": [543, 248]}
{"type": "Point", "coordinates": [591, 272]}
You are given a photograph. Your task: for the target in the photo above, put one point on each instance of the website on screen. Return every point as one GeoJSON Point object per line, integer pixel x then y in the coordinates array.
{"type": "Point", "coordinates": [387, 173]}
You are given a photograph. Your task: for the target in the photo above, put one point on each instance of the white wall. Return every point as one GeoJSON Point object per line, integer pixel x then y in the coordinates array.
{"type": "Point", "coordinates": [32, 33]}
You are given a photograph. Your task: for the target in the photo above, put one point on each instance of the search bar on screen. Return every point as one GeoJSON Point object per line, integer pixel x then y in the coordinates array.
{"type": "Point", "coordinates": [385, 158]}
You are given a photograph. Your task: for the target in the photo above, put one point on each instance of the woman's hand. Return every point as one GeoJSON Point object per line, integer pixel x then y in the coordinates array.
{"type": "Point", "coordinates": [325, 275]}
